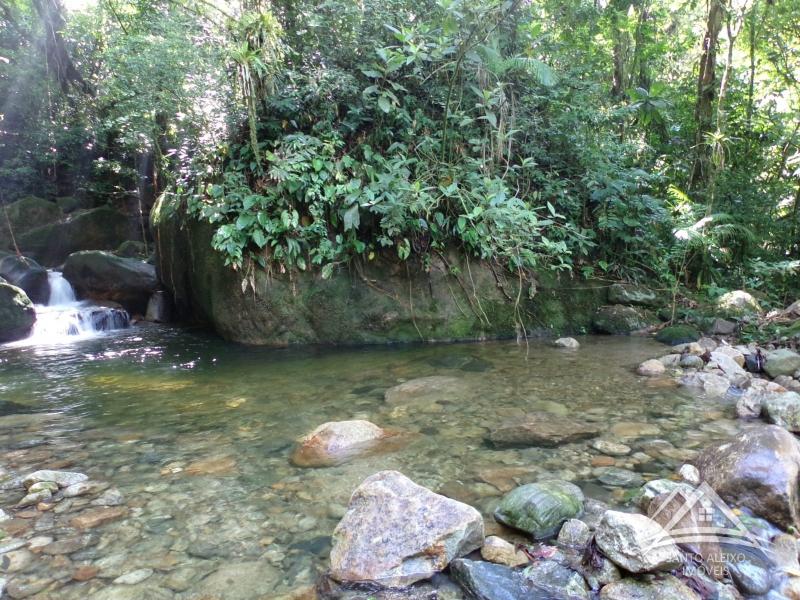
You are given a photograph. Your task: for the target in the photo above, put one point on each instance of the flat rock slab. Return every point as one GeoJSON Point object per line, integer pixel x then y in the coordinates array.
{"type": "Point", "coordinates": [430, 389]}
{"type": "Point", "coordinates": [396, 532]}
{"type": "Point", "coordinates": [542, 429]}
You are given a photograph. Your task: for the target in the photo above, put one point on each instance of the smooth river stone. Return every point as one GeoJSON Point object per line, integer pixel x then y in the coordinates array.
{"type": "Point", "coordinates": [541, 429]}
{"type": "Point", "coordinates": [337, 442]}
{"type": "Point", "coordinates": [540, 508]}
{"type": "Point", "coordinates": [396, 532]}
{"type": "Point", "coordinates": [62, 478]}
{"type": "Point", "coordinates": [636, 543]}
{"type": "Point", "coordinates": [436, 387]}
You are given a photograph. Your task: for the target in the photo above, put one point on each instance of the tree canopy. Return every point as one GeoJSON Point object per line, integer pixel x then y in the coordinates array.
{"type": "Point", "coordinates": [629, 139]}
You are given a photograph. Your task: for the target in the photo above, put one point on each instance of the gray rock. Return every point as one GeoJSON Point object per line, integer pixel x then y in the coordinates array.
{"type": "Point", "coordinates": [636, 543]}
{"type": "Point", "coordinates": [396, 532]}
{"type": "Point", "coordinates": [651, 368]}
{"type": "Point", "coordinates": [617, 319]}
{"type": "Point", "coordinates": [689, 474]}
{"type": "Point", "coordinates": [543, 580]}
{"type": "Point", "coordinates": [722, 327]}
{"type": "Point", "coordinates": [28, 275]}
{"type": "Point", "coordinates": [665, 587]}
{"type": "Point", "coordinates": [556, 581]}
{"type": "Point", "coordinates": [134, 577]}
{"type": "Point", "coordinates": [540, 508]}
{"type": "Point", "coordinates": [624, 293]}
{"type": "Point", "coordinates": [501, 552]}
{"type": "Point", "coordinates": [567, 342]}
{"type": "Point", "coordinates": [574, 534]}
{"type": "Point", "coordinates": [737, 303]}
{"type": "Point", "coordinates": [751, 577]}
{"type": "Point", "coordinates": [610, 447]}
{"type": "Point", "coordinates": [758, 470]}
{"type": "Point", "coordinates": [105, 276]}
{"type": "Point", "coordinates": [337, 442]}
{"type": "Point", "coordinates": [781, 362]}
{"type": "Point", "coordinates": [240, 581]}
{"type": "Point", "coordinates": [783, 409]}
{"type": "Point", "coordinates": [159, 307]}
{"type": "Point", "coordinates": [692, 361]}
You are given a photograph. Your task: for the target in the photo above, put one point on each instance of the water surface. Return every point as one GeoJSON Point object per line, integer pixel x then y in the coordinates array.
{"type": "Point", "coordinates": [195, 433]}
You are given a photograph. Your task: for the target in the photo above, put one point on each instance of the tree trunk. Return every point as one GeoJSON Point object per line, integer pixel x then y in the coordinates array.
{"type": "Point", "coordinates": [706, 94]}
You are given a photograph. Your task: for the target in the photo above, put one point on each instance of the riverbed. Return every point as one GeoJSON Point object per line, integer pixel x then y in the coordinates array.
{"type": "Point", "coordinates": [195, 435]}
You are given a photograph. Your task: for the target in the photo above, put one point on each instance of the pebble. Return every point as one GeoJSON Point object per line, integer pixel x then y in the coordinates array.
{"type": "Point", "coordinates": [95, 517]}
{"type": "Point", "coordinates": [689, 474]}
{"type": "Point", "coordinates": [85, 573]}
{"type": "Point", "coordinates": [37, 543]}
{"type": "Point", "coordinates": [133, 577]}
{"type": "Point", "coordinates": [611, 448]}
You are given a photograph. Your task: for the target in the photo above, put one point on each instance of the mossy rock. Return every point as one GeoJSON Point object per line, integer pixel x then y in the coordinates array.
{"type": "Point", "coordinates": [132, 249]}
{"type": "Point", "coordinates": [98, 229]}
{"type": "Point", "coordinates": [635, 295]}
{"type": "Point", "coordinates": [70, 204]}
{"type": "Point", "coordinates": [27, 274]}
{"type": "Point", "coordinates": [678, 334]}
{"type": "Point", "coordinates": [26, 214]}
{"type": "Point", "coordinates": [617, 319]}
{"type": "Point", "coordinates": [17, 314]}
{"type": "Point", "coordinates": [540, 508]}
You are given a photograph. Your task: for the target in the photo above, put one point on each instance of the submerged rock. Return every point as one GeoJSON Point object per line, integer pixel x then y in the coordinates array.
{"type": "Point", "coordinates": [540, 508]}
{"type": "Point", "coordinates": [618, 319]}
{"type": "Point", "coordinates": [61, 478]}
{"type": "Point", "coordinates": [636, 543]}
{"type": "Point", "coordinates": [337, 442]}
{"type": "Point", "coordinates": [17, 314]}
{"type": "Point", "coordinates": [541, 429]}
{"type": "Point", "coordinates": [425, 388]}
{"type": "Point", "coordinates": [104, 276]}
{"type": "Point", "coordinates": [396, 532]}
{"type": "Point", "coordinates": [758, 470]}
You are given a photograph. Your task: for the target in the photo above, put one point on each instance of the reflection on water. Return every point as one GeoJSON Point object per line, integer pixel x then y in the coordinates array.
{"type": "Point", "coordinates": [195, 433]}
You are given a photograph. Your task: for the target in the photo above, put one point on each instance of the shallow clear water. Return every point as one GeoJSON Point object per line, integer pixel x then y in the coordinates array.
{"type": "Point", "coordinates": [195, 433]}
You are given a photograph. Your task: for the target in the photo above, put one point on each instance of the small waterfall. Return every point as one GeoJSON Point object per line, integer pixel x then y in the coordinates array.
{"type": "Point", "coordinates": [61, 291]}
{"type": "Point", "coordinates": [64, 318]}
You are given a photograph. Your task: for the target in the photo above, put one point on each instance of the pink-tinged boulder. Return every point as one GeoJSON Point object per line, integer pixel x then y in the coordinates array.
{"type": "Point", "coordinates": [396, 532]}
{"type": "Point", "coordinates": [337, 442]}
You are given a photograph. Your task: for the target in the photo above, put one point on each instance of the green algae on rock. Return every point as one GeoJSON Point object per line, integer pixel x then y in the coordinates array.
{"type": "Point", "coordinates": [540, 508]}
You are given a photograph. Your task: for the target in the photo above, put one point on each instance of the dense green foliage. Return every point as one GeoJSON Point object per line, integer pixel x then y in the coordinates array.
{"type": "Point", "coordinates": [602, 139]}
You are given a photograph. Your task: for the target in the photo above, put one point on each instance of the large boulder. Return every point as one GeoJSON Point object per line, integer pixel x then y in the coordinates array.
{"type": "Point", "coordinates": [678, 334]}
{"type": "Point", "coordinates": [98, 229]}
{"type": "Point", "coordinates": [540, 508]}
{"type": "Point", "coordinates": [104, 276]}
{"type": "Point", "coordinates": [778, 362]}
{"type": "Point", "coordinates": [17, 314]}
{"type": "Point", "coordinates": [26, 214]}
{"type": "Point", "coordinates": [626, 293]}
{"type": "Point", "coordinates": [541, 429]}
{"type": "Point", "coordinates": [337, 442]}
{"type": "Point", "coordinates": [636, 543]}
{"type": "Point", "coordinates": [396, 532]}
{"type": "Point", "coordinates": [758, 470]}
{"type": "Point", "coordinates": [617, 319]}
{"type": "Point", "coordinates": [737, 303]}
{"type": "Point", "coordinates": [27, 274]}
{"type": "Point", "coordinates": [376, 301]}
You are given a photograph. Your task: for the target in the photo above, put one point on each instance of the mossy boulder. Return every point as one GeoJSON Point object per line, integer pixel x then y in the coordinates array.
{"type": "Point", "coordinates": [678, 334]}
{"type": "Point", "coordinates": [98, 229]}
{"type": "Point", "coordinates": [132, 249]}
{"type": "Point", "coordinates": [369, 301]}
{"type": "Point", "coordinates": [540, 508]}
{"type": "Point", "coordinates": [17, 314]}
{"type": "Point", "coordinates": [25, 214]}
{"type": "Point", "coordinates": [27, 274]}
{"type": "Point", "coordinates": [101, 275]}
{"type": "Point", "coordinates": [629, 294]}
{"type": "Point", "coordinates": [69, 204]}
{"type": "Point", "coordinates": [617, 319]}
